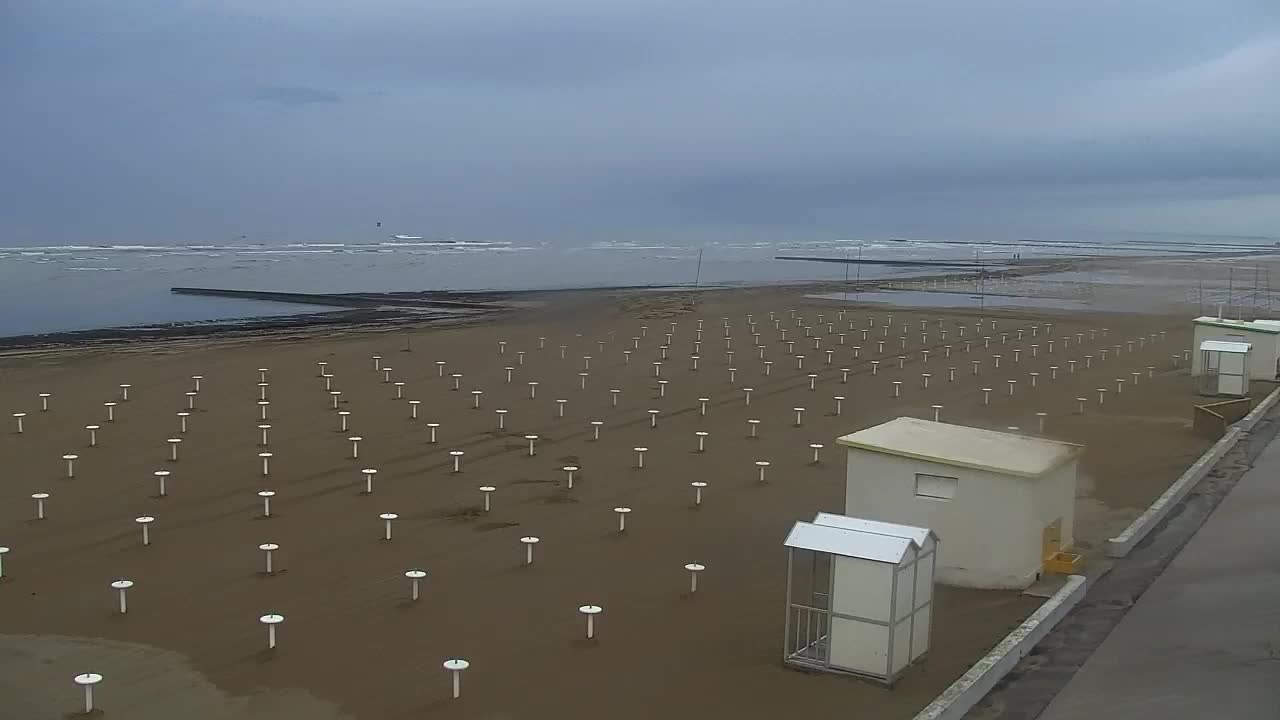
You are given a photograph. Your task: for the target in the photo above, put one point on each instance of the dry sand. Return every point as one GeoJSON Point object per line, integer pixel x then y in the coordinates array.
{"type": "Point", "coordinates": [352, 645]}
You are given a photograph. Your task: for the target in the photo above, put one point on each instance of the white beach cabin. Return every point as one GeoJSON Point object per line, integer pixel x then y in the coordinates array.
{"type": "Point", "coordinates": [859, 596]}
{"type": "Point", "coordinates": [1224, 368]}
{"type": "Point", "coordinates": [1262, 336]}
{"type": "Point", "coordinates": [1004, 503]}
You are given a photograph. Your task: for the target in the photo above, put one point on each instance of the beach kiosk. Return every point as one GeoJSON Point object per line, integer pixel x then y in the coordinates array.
{"type": "Point", "coordinates": [1005, 503]}
{"type": "Point", "coordinates": [859, 596]}
{"type": "Point", "coordinates": [1262, 336]}
{"type": "Point", "coordinates": [1224, 368]}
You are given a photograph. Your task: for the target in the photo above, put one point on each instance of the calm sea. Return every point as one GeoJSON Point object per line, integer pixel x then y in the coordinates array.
{"type": "Point", "coordinates": [77, 287]}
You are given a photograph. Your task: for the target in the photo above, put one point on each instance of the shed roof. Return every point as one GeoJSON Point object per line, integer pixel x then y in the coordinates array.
{"type": "Point", "coordinates": [918, 535]}
{"type": "Point", "coordinates": [848, 543]}
{"type": "Point", "coordinates": [1224, 346]}
{"type": "Point", "coordinates": [963, 446]}
{"type": "Point", "coordinates": [1271, 327]}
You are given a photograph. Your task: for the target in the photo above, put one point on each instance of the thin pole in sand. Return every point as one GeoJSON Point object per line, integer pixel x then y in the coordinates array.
{"type": "Point", "coordinates": [762, 466]}
{"type": "Point", "coordinates": [335, 396]}
{"type": "Point", "coordinates": [457, 380]}
{"type": "Point", "coordinates": [502, 418]}
{"type": "Point", "coordinates": [377, 362]}
{"type": "Point", "coordinates": [533, 389]}
{"type": "Point", "coordinates": [322, 365]}
{"type": "Point", "coordinates": [111, 411]}
{"type": "Point", "coordinates": [487, 490]}
{"type": "Point", "coordinates": [431, 427]}
{"type": "Point", "coordinates": [613, 397]}
{"type": "Point", "coordinates": [40, 497]}
{"type": "Point", "coordinates": [702, 440]}
{"type": "Point", "coordinates": [529, 541]}
{"type": "Point", "coordinates": [399, 389]}
{"type": "Point", "coordinates": [93, 434]}
{"type": "Point", "coordinates": [1012, 385]}
{"type": "Point", "coordinates": [520, 356]}
{"type": "Point", "coordinates": [897, 388]}
{"type": "Point", "coordinates": [653, 418]}
{"type": "Point", "coordinates": [595, 429]}
{"type": "Point", "coordinates": [44, 401]}
{"type": "Point", "coordinates": [747, 392]}
{"type": "Point", "coordinates": [262, 374]}
{"type": "Point", "coordinates": [266, 463]}
{"type": "Point", "coordinates": [122, 587]}
{"type": "Point", "coordinates": [162, 476]}
{"type": "Point", "coordinates": [986, 396]}
{"type": "Point", "coordinates": [1102, 395]}
{"type": "Point", "coordinates": [271, 621]}
{"type": "Point", "coordinates": [640, 451]}
{"type": "Point", "coordinates": [124, 392]}
{"type": "Point", "coordinates": [937, 412]}
{"type": "Point", "coordinates": [702, 405]}
{"type": "Point", "coordinates": [267, 550]}
{"type": "Point", "coordinates": [531, 439]}
{"type": "Point", "coordinates": [457, 459]}
{"type": "Point", "coordinates": [813, 380]}
{"type": "Point", "coordinates": [1119, 385]}
{"type": "Point", "coordinates": [816, 447]}
{"type": "Point", "coordinates": [924, 377]}
{"type": "Point", "coordinates": [386, 374]}
{"type": "Point", "coordinates": [264, 428]}
{"type": "Point", "coordinates": [368, 480]}
{"type": "Point", "coordinates": [71, 464]}
{"type": "Point", "coordinates": [697, 486]}
{"type": "Point", "coordinates": [266, 496]}
{"type": "Point", "coordinates": [263, 405]}
{"type": "Point", "coordinates": [455, 666]}
{"type": "Point", "coordinates": [475, 399]}
{"type": "Point", "coordinates": [560, 403]}
{"type": "Point", "coordinates": [173, 448]}
{"type": "Point", "coordinates": [387, 519]}
{"type": "Point", "coordinates": [440, 368]}
{"type": "Point", "coordinates": [768, 367]}
{"type": "Point", "coordinates": [1034, 376]}
{"type": "Point", "coordinates": [753, 427]}
{"type": "Point", "coordinates": [1080, 405]}
{"type": "Point", "coordinates": [694, 569]}
{"type": "Point", "coordinates": [1040, 416]}
{"type": "Point", "coordinates": [839, 403]}
{"type": "Point", "coordinates": [582, 376]}
{"type": "Point", "coordinates": [195, 379]}
{"type": "Point", "coordinates": [570, 470]}
{"type": "Point", "coordinates": [87, 681]}
{"type": "Point", "coordinates": [413, 409]}
{"type": "Point", "coordinates": [262, 390]}
{"type": "Point", "coordinates": [622, 517]}
{"type": "Point", "coordinates": [3, 551]}
{"type": "Point", "coordinates": [415, 577]}
{"type": "Point", "coordinates": [799, 411]}
{"type": "Point", "coordinates": [343, 416]}
{"type": "Point", "coordinates": [145, 521]}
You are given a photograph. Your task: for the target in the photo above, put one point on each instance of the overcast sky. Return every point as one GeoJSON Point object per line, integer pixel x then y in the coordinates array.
{"type": "Point", "coordinates": [683, 120]}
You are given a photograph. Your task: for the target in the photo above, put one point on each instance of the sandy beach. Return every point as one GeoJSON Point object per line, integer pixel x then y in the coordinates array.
{"type": "Point", "coordinates": [354, 645]}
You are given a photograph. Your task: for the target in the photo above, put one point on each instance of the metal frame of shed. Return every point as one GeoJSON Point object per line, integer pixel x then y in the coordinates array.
{"type": "Point", "coordinates": [807, 633]}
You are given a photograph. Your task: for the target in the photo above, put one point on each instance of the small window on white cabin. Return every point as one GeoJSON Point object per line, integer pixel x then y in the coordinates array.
{"type": "Point", "coordinates": [936, 487]}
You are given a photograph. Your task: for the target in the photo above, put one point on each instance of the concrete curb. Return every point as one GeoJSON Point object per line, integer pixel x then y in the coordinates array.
{"type": "Point", "coordinates": [1122, 544]}
{"type": "Point", "coordinates": [1247, 422]}
{"type": "Point", "coordinates": [964, 693]}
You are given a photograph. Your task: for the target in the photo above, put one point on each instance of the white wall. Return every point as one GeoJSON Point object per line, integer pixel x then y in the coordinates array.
{"type": "Point", "coordinates": [862, 588]}
{"type": "Point", "coordinates": [1262, 358]}
{"type": "Point", "coordinates": [989, 535]}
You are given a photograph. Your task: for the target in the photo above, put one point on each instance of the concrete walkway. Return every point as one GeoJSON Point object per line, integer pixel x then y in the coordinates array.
{"type": "Point", "coordinates": [1204, 640]}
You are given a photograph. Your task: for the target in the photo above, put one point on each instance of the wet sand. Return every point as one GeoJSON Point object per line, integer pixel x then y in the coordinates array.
{"type": "Point", "coordinates": [353, 644]}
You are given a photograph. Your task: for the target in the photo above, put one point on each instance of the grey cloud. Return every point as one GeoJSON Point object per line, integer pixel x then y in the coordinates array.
{"type": "Point", "coordinates": [568, 118]}
{"type": "Point", "coordinates": [295, 96]}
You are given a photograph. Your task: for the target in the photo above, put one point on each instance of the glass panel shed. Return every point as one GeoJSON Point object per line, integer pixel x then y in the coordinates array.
{"type": "Point", "coordinates": [859, 596]}
{"type": "Point", "coordinates": [1224, 368]}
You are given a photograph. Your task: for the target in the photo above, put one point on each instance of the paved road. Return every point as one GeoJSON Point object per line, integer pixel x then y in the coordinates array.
{"type": "Point", "coordinates": [1204, 640]}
